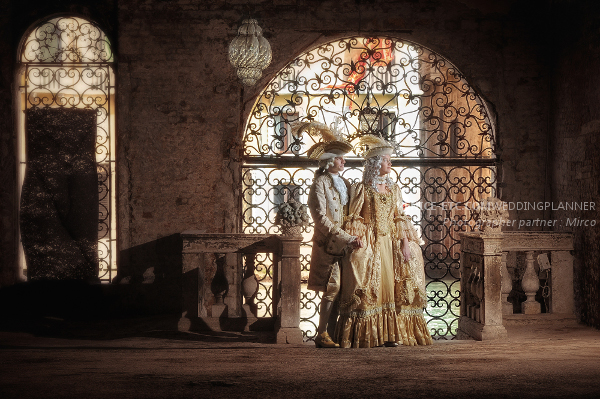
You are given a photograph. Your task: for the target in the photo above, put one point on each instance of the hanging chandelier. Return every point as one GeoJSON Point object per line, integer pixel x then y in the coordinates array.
{"type": "Point", "coordinates": [249, 52]}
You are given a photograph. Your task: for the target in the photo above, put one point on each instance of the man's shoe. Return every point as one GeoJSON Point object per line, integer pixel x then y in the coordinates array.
{"type": "Point", "coordinates": [325, 341]}
{"type": "Point", "coordinates": [391, 344]}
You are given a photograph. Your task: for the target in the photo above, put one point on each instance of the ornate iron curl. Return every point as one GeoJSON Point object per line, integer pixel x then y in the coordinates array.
{"type": "Point", "coordinates": [417, 95]}
{"type": "Point", "coordinates": [67, 62]}
{"type": "Point", "coordinates": [440, 126]}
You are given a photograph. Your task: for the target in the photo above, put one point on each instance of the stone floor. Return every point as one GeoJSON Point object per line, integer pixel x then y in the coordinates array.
{"type": "Point", "coordinates": [144, 358]}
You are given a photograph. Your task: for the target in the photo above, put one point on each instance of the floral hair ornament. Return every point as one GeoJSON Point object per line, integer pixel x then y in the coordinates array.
{"type": "Point", "coordinates": [372, 146]}
{"type": "Point", "coordinates": [331, 144]}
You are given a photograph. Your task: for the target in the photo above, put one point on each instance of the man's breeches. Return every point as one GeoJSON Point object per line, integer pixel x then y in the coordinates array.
{"type": "Point", "coordinates": [333, 285]}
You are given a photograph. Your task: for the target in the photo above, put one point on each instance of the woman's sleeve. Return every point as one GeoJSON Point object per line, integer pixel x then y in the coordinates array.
{"type": "Point", "coordinates": [403, 222]}
{"type": "Point", "coordinates": [354, 222]}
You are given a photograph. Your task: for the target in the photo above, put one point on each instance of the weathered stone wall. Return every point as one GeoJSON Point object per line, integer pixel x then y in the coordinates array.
{"type": "Point", "coordinates": [181, 110]}
{"type": "Point", "coordinates": [8, 171]}
{"type": "Point", "coordinates": [576, 144]}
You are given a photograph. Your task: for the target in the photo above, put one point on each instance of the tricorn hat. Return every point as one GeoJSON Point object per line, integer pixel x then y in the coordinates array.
{"type": "Point", "coordinates": [331, 145]}
{"type": "Point", "coordinates": [374, 145]}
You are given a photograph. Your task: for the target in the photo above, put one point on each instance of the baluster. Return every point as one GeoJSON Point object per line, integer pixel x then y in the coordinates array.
{"type": "Point", "coordinates": [250, 285]}
{"type": "Point", "coordinates": [469, 296]}
{"type": "Point", "coordinates": [507, 307]}
{"type": "Point", "coordinates": [219, 287]}
{"type": "Point", "coordinates": [473, 288]}
{"type": "Point", "coordinates": [531, 284]}
{"type": "Point", "coordinates": [480, 296]}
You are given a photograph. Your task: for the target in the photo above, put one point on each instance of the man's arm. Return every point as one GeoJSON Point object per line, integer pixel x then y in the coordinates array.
{"type": "Point", "coordinates": [317, 203]}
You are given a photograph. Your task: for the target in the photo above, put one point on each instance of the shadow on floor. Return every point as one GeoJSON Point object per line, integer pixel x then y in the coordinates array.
{"type": "Point", "coordinates": [79, 310]}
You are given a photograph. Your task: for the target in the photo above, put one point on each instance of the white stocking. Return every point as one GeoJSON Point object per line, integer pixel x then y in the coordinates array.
{"type": "Point", "coordinates": [326, 308]}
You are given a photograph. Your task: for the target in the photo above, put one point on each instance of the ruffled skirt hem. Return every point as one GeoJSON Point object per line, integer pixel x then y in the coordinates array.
{"type": "Point", "coordinates": [413, 328]}
{"type": "Point", "coordinates": [368, 331]}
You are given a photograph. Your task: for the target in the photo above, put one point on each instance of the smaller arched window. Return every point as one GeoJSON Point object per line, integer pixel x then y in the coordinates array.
{"type": "Point", "coordinates": [66, 150]}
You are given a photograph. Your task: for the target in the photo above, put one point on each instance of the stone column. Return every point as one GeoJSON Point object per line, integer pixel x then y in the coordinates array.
{"type": "Point", "coordinates": [219, 287]}
{"type": "Point", "coordinates": [562, 283]}
{"type": "Point", "coordinates": [491, 316]}
{"type": "Point", "coordinates": [489, 321]}
{"type": "Point", "coordinates": [288, 304]}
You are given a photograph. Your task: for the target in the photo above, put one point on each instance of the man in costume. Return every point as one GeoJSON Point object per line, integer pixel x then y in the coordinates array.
{"type": "Point", "coordinates": [328, 204]}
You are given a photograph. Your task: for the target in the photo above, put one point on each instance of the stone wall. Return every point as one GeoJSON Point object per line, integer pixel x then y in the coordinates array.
{"type": "Point", "coordinates": [181, 110]}
{"type": "Point", "coordinates": [576, 144]}
{"type": "Point", "coordinates": [8, 171]}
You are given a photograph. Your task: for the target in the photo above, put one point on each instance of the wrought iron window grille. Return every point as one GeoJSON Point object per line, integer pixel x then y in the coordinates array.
{"type": "Point", "coordinates": [441, 127]}
{"type": "Point", "coordinates": [67, 62]}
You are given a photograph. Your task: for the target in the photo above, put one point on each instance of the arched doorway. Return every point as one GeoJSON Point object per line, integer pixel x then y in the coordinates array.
{"type": "Point", "coordinates": [445, 157]}
{"type": "Point", "coordinates": [65, 81]}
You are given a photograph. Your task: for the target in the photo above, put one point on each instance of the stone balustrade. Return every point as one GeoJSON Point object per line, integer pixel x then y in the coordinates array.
{"type": "Point", "coordinates": [218, 295]}
{"type": "Point", "coordinates": [487, 283]}
{"type": "Point", "coordinates": [554, 265]}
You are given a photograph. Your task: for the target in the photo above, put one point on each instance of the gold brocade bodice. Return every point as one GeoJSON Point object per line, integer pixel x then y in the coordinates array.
{"type": "Point", "coordinates": [382, 211]}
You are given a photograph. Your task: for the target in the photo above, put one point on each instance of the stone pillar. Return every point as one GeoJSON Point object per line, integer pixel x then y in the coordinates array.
{"type": "Point", "coordinates": [219, 287]}
{"type": "Point", "coordinates": [492, 287]}
{"type": "Point", "coordinates": [250, 288]}
{"type": "Point", "coordinates": [488, 324]}
{"type": "Point", "coordinates": [288, 303]}
{"type": "Point", "coordinates": [562, 283]}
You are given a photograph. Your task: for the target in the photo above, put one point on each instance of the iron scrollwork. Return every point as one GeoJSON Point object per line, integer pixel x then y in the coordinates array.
{"type": "Point", "coordinates": [67, 40]}
{"type": "Point", "coordinates": [67, 62]}
{"type": "Point", "coordinates": [441, 129]}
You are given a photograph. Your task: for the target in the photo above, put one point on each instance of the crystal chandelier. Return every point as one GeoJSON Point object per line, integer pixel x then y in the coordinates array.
{"type": "Point", "coordinates": [249, 52]}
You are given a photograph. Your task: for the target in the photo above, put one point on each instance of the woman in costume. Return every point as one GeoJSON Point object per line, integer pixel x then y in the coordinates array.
{"type": "Point", "coordinates": [383, 283]}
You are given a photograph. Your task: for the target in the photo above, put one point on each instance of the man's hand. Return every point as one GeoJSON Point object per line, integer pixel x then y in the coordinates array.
{"type": "Point", "coordinates": [357, 243]}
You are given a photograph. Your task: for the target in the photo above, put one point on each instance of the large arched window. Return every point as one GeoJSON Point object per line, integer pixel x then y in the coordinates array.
{"type": "Point", "coordinates": [66, 99]}
{"type": "Point", "coordinates": [444, 162]}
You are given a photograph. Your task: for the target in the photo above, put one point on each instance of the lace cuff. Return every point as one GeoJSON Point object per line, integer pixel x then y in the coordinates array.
{"type": "Point", "coordinates": [405, 229]}
{"type": "Point", "coordinates": [355, 226]}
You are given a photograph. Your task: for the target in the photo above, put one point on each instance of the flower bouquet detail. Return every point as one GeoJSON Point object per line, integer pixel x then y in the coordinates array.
{"type": "Point", "coordinates": [291, 217]}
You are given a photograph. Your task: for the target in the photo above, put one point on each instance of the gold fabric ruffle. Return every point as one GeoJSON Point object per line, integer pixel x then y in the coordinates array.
{"type": "Point", "coordinates": [355, 226]}
{"type": "Point", "coordinates": [405, 229]}
{"type": "Point", "coordinates": [407, 293]}
{"type": "Point", "coordinates": [409, 277]}
{"type": "Point", "coordinates": [368, 329]}
{"type": "Point", "coordinates": [413, 327]}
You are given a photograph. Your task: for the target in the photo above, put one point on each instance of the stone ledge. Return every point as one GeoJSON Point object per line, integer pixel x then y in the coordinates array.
{"type": "Point", "coordinates": [469, 328]}
{"type": "Point", "coordinates": [537, 241]}
{"type": "Point", "coordinates": [541, 318]}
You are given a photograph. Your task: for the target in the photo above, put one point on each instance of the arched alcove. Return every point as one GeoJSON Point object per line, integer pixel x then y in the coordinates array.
{"type": "Point", "coordinates": [65, 101]}
{"type": "Point", "coordinates": [445, 158]}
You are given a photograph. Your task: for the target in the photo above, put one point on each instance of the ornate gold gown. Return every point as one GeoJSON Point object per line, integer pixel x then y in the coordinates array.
{"type": "Point", "coordinates": [382, 295]}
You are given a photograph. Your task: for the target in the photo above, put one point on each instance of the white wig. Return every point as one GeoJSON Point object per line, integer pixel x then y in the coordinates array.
{"type": "Point", "coordinates": [371, 170]}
